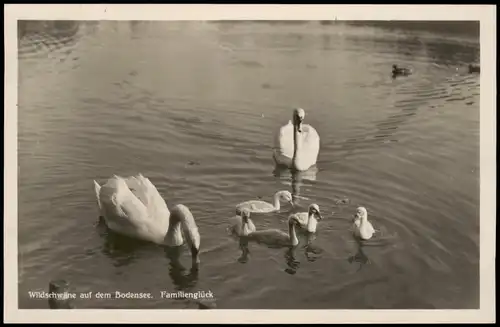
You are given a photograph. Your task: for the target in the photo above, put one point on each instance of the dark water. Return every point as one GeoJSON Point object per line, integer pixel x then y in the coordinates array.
{"type": "Point", "coordinates": [194, 106]}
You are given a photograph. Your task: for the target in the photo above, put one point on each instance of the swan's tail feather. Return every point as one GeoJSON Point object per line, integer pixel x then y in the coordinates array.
{"type": "Point", "coordinates": [97, 189]}
{"type": "Point", "coordinates": [189, 229]}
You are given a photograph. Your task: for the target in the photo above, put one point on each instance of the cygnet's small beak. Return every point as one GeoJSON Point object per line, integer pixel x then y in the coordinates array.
{"type": "Point", "coordinates": [318, 214]}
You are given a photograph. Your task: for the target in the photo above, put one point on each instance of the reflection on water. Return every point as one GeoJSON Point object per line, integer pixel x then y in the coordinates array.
{"type": "Point", "coordinates": [311, 251]}
{"type": "Point", "coordinates": [43, 37]}
{"type": "Point", "coordinates": [183, 279]}
{"type": "Point", "coordinates": [56, 28]}
{"type": "Point", "coordinates": [244, 250]}
{"type": "Point", "coordinates": [360, 256]}
{"type": "Point", "coordinates": [120, 249]}
{"type": "Point", "coordinates": [123, 250]}
{"type": "Point", "coordinates": [306, 243]}
{"type": "Point", "coordinates": [194, 106]}
{"type": "Point", "coordinates": [292, 263]}
{"type": "Point", "coordinates": [295, 179]}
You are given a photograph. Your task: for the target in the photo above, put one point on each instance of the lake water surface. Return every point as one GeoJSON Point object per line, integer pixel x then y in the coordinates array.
{"type": "Point", "coordinates": [194, 106]}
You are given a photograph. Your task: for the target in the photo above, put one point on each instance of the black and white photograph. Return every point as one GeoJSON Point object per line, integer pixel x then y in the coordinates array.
{"type": "Point", "coordinates": [296, 165]}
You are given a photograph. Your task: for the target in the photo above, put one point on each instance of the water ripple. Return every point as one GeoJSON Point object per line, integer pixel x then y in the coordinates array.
{"type": "Point", "coordinates": [195, 107]}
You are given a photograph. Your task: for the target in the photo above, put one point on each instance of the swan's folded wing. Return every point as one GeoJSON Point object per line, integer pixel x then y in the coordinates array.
{"type": "Point", "coordinates": [132, 210]}
{"type": "Point", "coordinates": [134, 221]}
{"type": "Point", "coordinates": [271, 237]}
{"type": "Point", "coordinates": [235, 222]}
{"type": "Point", "coordinates": [311, 139]}
{"type": "Point", "coordinates": [284, 140]}
{"type": "Point", "coordinates": [371, 229]}
{"type": "Point", "coordinates": [302, 218]}
{"type": "Point", "coordinates": [156, 205]}
{"type": "Point", "coordinates": [124, 212]}
{"type": "Point", "coordinates": [139, 188]}
{"type": "Point", "coordinates": [254, 206]}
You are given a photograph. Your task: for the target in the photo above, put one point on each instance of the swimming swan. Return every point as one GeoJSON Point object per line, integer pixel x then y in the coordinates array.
{"type": "Point", "coordinates": [133, 206]}
{"type": "Point", "coordinates": [309, 220]}
{"type": "Point", "coordinates": [265, 207]}
{"type": "Point", "coordinates": [297, 144]}
{"type": "Point", "coordinates": [276, 237]}
{"type": "Point", "coordinates": [362, 227]}
{"type": "Point", "coordinates": [242, 225]}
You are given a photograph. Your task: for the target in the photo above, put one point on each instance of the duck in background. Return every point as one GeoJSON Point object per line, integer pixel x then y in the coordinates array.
{"type": "Point", "coordinates": [474, 69]}
{"type": "Point", "coordinates": [400, 71]}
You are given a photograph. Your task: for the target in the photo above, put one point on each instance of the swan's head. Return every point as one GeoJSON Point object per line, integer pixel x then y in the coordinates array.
{"type": "Point", "coordinates": [180, 214]}
{"type": "Point", "coordinates": [245, 215]}
{"type": "Point", "coordinates": [361, 213]}
{"type": "Point", "coordinates": [286, 196]}
{"type": "Point", "coordinates": [298, 117]}
{"type": "Point", "coordinates": [314, 212]}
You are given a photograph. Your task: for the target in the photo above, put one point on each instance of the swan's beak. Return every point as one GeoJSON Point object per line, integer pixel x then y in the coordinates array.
{"type": "Point", "coordinates": [298, 122]}
{"type": "Point", "coordinates": [195, 255]}
{"type": "Point", "coordinates": [319, 216]}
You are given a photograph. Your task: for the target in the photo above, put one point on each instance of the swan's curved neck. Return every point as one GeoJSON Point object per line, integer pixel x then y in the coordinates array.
{"type": "Point", "coordinates": [309, 220]}
{"type": "Point", "coordinates": [243, 225]}
{"type": "Point", "coordinates": [182, 224]}
{"type": "Point", "coordinates": [291, 232]}
{"type": "Point", "coordinates": [276, 201]}
{"type": "Point", "coordinates": [297, 145]}
{"type": "Point", "coordinates": [174, 233]}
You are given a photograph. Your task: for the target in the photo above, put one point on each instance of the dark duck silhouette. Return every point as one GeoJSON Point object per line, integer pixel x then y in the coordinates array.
{"type": "Point", "coordinates": [474, 68]}
{"type": "Point", "coordinates": [400, 71]}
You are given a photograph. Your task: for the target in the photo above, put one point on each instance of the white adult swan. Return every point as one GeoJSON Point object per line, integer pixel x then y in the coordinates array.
{"type": "Point", "coordinates": [297, 144]}
{"type": "Point", "coordinates": [362, 227]}
{"type": "Point", "coordinates": [242, 225]}
{"type": "Point", "coordinates": [259, 206]}
{"type": "Point", "coordinates": [133, 206]}
{"type": "Point", "coordinates": [278, 238]}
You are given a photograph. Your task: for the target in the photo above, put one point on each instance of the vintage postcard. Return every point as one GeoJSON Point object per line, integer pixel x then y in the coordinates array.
{"type": "Point", "coordinates": [250, 163]}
